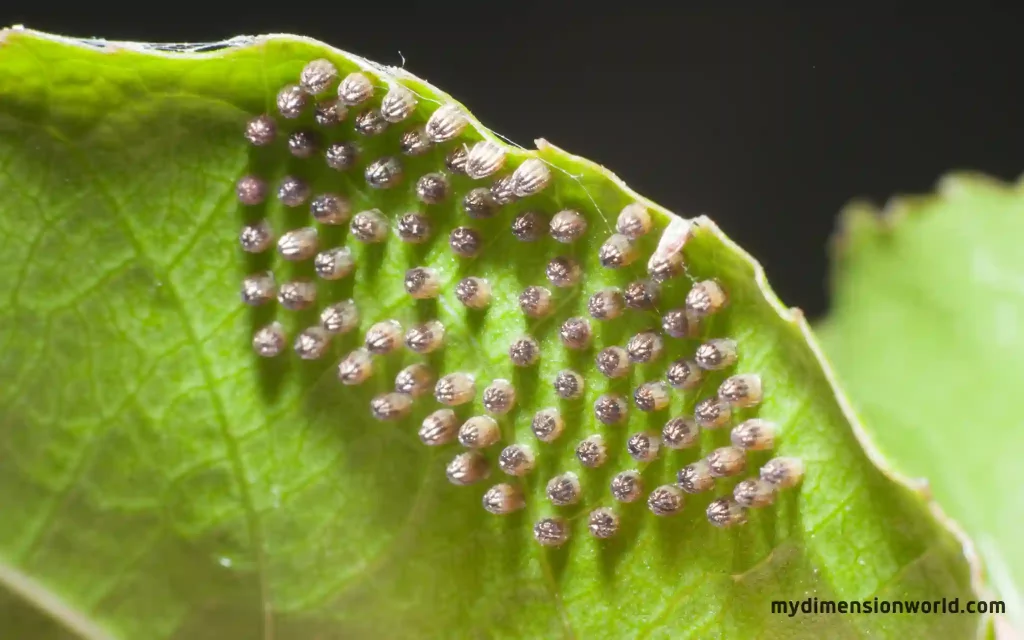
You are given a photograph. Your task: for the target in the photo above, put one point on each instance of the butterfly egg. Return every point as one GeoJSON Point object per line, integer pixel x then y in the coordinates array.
{"type": "Point", "coordinates": [499, 397]}
{"type": "Point", "coordinates": [447, 122]}
{"type": "Point", "coordinates": [706, 298]}
{"type": "Point", "coordinates": [712, 413]}
{"type": "Point", "coordinates": [531, 177]}
{"type": "Point", "coordinates": [575, 333]}
{"type": "Point", "coordinates": [564, 489]}
{"type": "Point", "coordinates": [414, 142]}
{"type": "Point", "coordinates": [783, 472]}
{"type": "Point", "coordinates": [645, 347]}
{"type": "Point", "coordinates": [592, 452]}
{"type": "Point", "coordinates": [422, 283]}
{"type": "Point", "coordinates": [455, 389]}
{"type": "Point", "coordinates": [651, 396]}
{"type": "Point", "coordinates": [666, 500]}
{"type": "Point", "coordinates": [724, 512]}
{"type": "Point", "coordinates": [398, 104]}
{"type": "Point", "coordinates": [479, 432]}
{"type": "Point", "coordinates": [617, 251]}
{"type": "Point", "coordinates": [259, 288]}
{"type": "Point", "coordinates": [292, 191]}
{"type": "Point", "coordinates": [298, 244]}
{"type": "Point", "coordinates": [663, 268]}
{"type": "Point", "coordinates": [390, 406]}
{"type": "Point", "coordinates": [425, 338]}
{"type": "Point", "coordinates": [727, 461]}
{"type": "Point", "coordinates": [467, 468]}
{"type": "Point", "coordinates": [341, 156]}
{"type": "Point", "coordinates": [634, 221]}
{"type": "Point", "coordinates": [312, 343]}
{"type": "Point", "coordinates": [563, 271]}
{"type": "Point", "coordinates": [302, 144]}
{"type": "Point", "coordinates": [680, 433]}
{"type": "Point", "coordinates": [627, 486]}
{"type": "Point", "coordinates": [606, 304]}
{"type": "Point", "coordinates": [568, 385]}
{"type": "Point", "coordinates": [455, 161]}
{"type": "Point", "coordinates": [383, 337]}
{"type": "Point", "coordinates": [503, 499]}
{"type": "Point", "coordinates": [473, 292]}
{"type": "Point", "coordinates": [503, 190]}
{"type": "Point", "coordinates": [413, 228]}
{"type": "Point", "coordinates": [603, 523]}
{"type": "Point", "coordinates": [535, 301]}
{"type": "Point", "coordinates": [415, 380]}
{"type": "Point", "coordinates": [340, 317]}
{"type": "Point", "coordinates": [610, 409]}
{"type": "Point", "coordinates": [684, 374]}
{"type": "Point", "coordinates": [695, 477]}
{"type": "Point", "coordinates": [568, 226]}
{"type": "Point", "coordinates": [551, 532]}
{"type": "Point", "coordinates": [261, 130]}
{"type": "Point", "coordinates": [754, 493]}
{"type": "Point", "coordinates": [465, 242]}
{"type": "Point", "coordinates": [355, 368]}
{"type": "Point", "coordinates": [529, 226]}
{"type": "Point", "coordinates": [355, 89]}
{"type": "Point", "coordinates": [369, 226]}
{"type": "Point", "coordinates": [317, 76]}
{"type": "Point", "coordinates": [330, 209]}
{"type": "Point", "coordinates": [485, 158]}
{"type": "Point", "coordinates": [754, 435]}
{"type": "Point", "coordinates": [643, 447]}
{"type": "Point", "coordinates": [384, 173]}
{"type": "Point", "coordinates": [438, 428]}
{"type": "Point", "coordinates": [642, 294]}
{"type": "Point", "coordinates": [296, 295]}
{"type": "Point", "coordinates": [269, 341]}
{"type": "Point", "coordinates": [524, 352]}
{"type": "Point", "coordinates": [292, 100]}
{"type": "Point", "coordinates": [547, 425]}
{"type": "Point", "coordinates": [369, 123]}
{"type": "Point", "coordinates": [517, 460]}
{"type": "Point", "coordinates": [479, 204]}
{"type": "Point", "coordinates": [670, 244]}
{"type": "Point", "coordinates": [677, 324]}
{"type": "Point", "coordinates": [329, 113]}
{"type": "Point", "coordinates": [432, 188]}
{"type": "Point", "coordinates": [716, 354]}
{"type": "Point", "coordinates": [251, 190]}
{"type": "Point", "coordinates": [742, 390]}
{"type": "Point", "coordinates": [613, 362]}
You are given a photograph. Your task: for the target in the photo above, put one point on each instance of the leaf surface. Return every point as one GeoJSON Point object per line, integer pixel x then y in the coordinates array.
{"type": "Point", "coordinates": [159, 480]}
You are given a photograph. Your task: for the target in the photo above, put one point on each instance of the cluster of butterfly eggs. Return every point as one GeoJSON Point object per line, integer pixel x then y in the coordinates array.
{"type": "Point", "coordinates": [737, 392]}
{"type": "Point", "coordinates": [446, 124]}
{"type": "Point", "coordinates": [479, 161]}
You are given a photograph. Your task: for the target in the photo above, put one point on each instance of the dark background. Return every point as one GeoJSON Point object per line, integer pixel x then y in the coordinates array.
{"type": "Point", "coordinates": [769, 121]}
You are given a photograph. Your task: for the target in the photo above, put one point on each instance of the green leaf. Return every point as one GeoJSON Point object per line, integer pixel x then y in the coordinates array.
{"type": "Point", "coordinates": [159, 479]}
{"type": "Point", "coordinates": [926, 333]}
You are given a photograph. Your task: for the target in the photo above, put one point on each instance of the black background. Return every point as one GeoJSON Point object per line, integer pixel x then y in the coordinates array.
{"type": "Point", "coordinates": [769, 121]}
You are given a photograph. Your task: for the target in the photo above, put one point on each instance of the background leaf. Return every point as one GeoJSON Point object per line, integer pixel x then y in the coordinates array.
{"type": "Point", "coordinates": [160, 480]}
{"type": "Point", "coordinates": [926, 334]}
